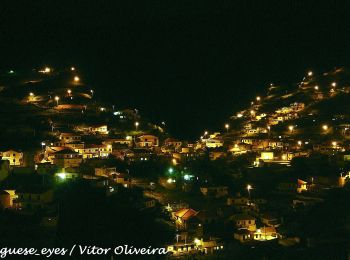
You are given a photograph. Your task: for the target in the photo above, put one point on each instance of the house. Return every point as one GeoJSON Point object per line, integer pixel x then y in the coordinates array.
{"type": "Point", "coordinates": [213, 143]}
{"type": "Point", "coordinates": [172, 142]}
{"type": "Point", "coordinates": [119, 141]}
{"type": "Point", "coordinates": [147, 141]}
{"type": "Point", "coordinates": [14, 157]}
{"type": "Point", "coordinates": [95, 151]}
{"type": "Point", "coordinates": [69, 137]}
{"type": "Point", "coordinates": [243, 235]}
{"type": "Point", "coordinates": [122, 178]}
{"type": "Point", "coordinates": [180, 249]}
{"type": "Point", "coordinates": [150, 203]}
{"type": "Point", "coordinates": [94, 129]}
{"type": "Point", "coordinates": [105, 172]}
{"type": "Point", "coordinates": [183, 216]}
{"type": "Point", "coordinates": [67, 158]}
{"type": "Point", "coordinates": [244, 221]}
{"type": "Point", "coordinates": [215, 191]}
{"type": "Point", "coordinates": [33, 198]}
{"type": "Point", "coordinates": [265, 233]}
{"type": "Point", "coordinates": [99, 129]}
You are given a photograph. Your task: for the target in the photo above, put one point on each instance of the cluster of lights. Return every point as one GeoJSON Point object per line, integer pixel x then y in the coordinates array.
{"type": "Point", "coordinates": [45, 70]}
{"type": "Point", "coordinates": [170, 180]}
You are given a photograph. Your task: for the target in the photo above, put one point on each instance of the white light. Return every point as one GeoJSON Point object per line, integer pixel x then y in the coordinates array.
{"type": "Point", "coordinates": [239, 115]}
{"type": "Point", "coordinates": [72, 69]}
{"type": "Point", "coordinates": [61, 175]}
{"type": "Point", "coordinates": [76, 79]}
{"type": "Point", "coordinates": [309, 73]}
{"type": "Point", "coordinates": [316, 87]}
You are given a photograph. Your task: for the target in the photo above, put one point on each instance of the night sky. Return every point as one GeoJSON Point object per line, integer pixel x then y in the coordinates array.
{"type": "Point", "coordinates": [189, 63]}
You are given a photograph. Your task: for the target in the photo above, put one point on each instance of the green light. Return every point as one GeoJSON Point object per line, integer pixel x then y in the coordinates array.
{"type": "Point", "coordinates": [11, 72]}
{"type": "Point", "coordinates": [171, 170]}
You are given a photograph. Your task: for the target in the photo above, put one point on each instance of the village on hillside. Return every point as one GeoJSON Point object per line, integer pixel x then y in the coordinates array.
{"type": "Point", "coordinates": [76, 168]}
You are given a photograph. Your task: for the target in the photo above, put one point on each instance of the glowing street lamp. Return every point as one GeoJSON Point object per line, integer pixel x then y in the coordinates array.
{"type": "Point", "coordinates": [69, 92]}
{"type": "Point", "coordinates": [57, 99]}
{"type": "Point", "coordinates": [258, 98]}
{"type": "Point", "coordinates": [31, 94]}
{"type": "Point", "coordinates": [249, 187]}
{"type": "Point", "coordinates": [42, 146]}
{"type": "Point", "coordinates": [47, 70]}
{"type": "Point", "coordinates": [299, 143]}
{"type": "Point", "coordinates": [325, 127]}
{"type": "Point", "coordinates": [316, 87]}
{"type": "Point", "coordinates": [92, 93]}
{"type": "Point", "coordinates": [137, 125]}
{"type": "Point", "coordinates": [310, 73]}
{"type": "Point", "coordinates": [334, 84]}
{"type": "Point", "coordinates": [170, 170]}
{"type": "Point", "coordinates": [291, 128]}
{"type": "Point", "coordinates": [227, 126]}
{"type": "Point", "coordinates": [239, 115]}
{"type": "Point", "coordinates": [72, 69]}
{"type": "Point", "coordinates": [334, 144]}
{"type": "Point", "coordinates": [206, 133]}
{"type": "Point", "coordinates": [76, 79]}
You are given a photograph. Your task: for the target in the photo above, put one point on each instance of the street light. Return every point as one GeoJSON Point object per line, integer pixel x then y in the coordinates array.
{"type": "Point", "coordinates": [31, 94]}
{"type": "Point", "coordinates": [76, 79]}
{"type": "Point", "coordinates": [325, 127]}
{"type": "Point", "coordinates": [92, 93]}
{"type": "Point", "coordinates": [137, 125]}
{"type": "Point", "coordinates": [249, 187]}
{"type": "Point", "coordinates": [42, 146]}
{"type": "Point", "coordinates": [47, 70]}
{"type": "Point", "coordinates": [206, 133]}
{"type": "Point", "coordinates": [316, 87]}
{"type": "Point", "coordinates": [258, 98]}
{"type": "Point", "coordinates": [57, 99]}
{"type": "Point", "coordinates": [72, 69]}
{"type": "Point", "coordinates": [69, 92]}
{"type": "Point", "coordinates": [310, 73]}
{"type": "Point", "coordinates": [291, 128]}
{"type": "Point", "coordinates": [299, 143]}
{"type": "Point", "coordinates": [227, 126]}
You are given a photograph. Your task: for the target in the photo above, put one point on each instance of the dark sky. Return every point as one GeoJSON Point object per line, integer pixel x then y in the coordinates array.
{"type": "Point", "coordinates": [190, 63]}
